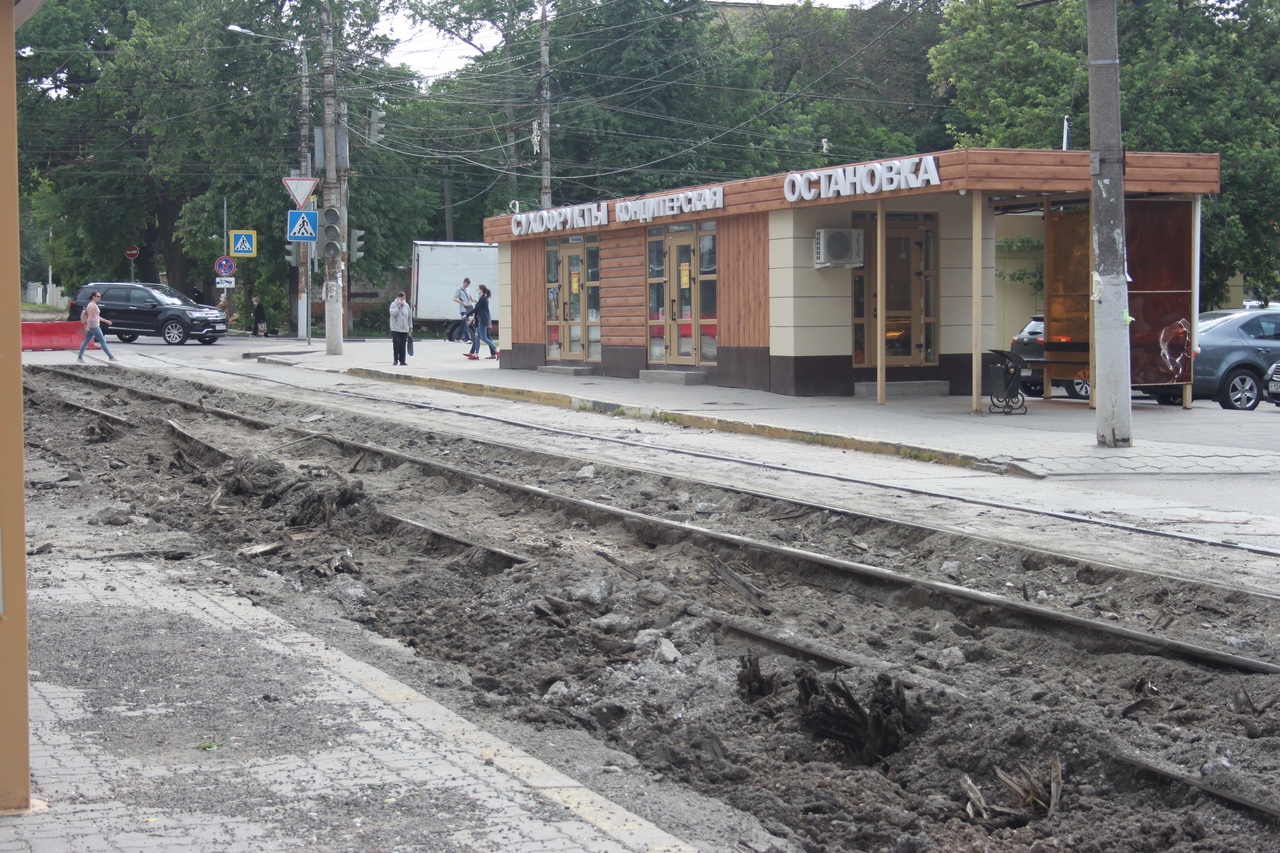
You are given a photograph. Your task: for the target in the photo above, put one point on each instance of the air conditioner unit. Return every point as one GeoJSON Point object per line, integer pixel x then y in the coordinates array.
{"type": "Point", "coordinates": [837, 247]}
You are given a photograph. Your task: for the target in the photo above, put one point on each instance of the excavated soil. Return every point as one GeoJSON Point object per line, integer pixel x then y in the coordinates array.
{"type": "Point", "coordinates": [597, 629]}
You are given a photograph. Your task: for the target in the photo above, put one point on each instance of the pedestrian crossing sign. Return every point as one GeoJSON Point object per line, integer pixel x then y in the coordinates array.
{"type": "Point", "coordinates": [303, 225]}
{"type": "Point", "coordinates": [244, 244]}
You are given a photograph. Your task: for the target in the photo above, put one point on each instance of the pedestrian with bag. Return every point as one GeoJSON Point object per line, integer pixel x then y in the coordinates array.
{"type": "Point", "coordinates": [92, 319]}
{"type": "Point", "coordinates": [259, 318]}
{"type": "Point", "coordinates": [481, 314]}
{"type": "Point", "coordinates": [401, 328]}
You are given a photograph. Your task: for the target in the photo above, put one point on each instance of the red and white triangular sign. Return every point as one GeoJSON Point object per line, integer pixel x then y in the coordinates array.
{"type": "Point", "coordinates": [300, 189]}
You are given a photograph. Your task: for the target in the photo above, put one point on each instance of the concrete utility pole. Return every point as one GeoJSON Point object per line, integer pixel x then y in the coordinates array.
{"type": "Point", "coordinates": [544, 95]}
{"type": "Point", "coordinates": [333, 260]}
{"type": "Point", "coordinates": [1110, 377]}
{"type": "Point", "coordinates": [304, 170]}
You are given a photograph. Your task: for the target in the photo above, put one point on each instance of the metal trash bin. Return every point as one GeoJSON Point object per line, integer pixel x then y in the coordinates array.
{"type": "Point", "coordinates": [1006, 384]}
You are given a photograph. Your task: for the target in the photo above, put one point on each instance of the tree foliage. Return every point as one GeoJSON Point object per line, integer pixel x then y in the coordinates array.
{"type": "Point", "coordinates": [1195, 76]}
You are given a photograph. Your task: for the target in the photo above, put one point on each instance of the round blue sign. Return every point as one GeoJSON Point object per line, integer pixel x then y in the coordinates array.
{"type": "Point", "coordinates": [224, 266]}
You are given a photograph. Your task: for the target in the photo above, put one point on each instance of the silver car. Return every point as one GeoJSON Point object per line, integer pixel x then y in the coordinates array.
{"type": "Point", "coordinates": [1271, 384]}
{"type": "Point", "coordinates": [1236, 351]}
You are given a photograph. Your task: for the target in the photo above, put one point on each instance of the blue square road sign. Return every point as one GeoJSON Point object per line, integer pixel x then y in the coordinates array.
{"type": "Point", "coordinates": [303, 226]}
{"type": "Point", "coordinates": [244, 244]}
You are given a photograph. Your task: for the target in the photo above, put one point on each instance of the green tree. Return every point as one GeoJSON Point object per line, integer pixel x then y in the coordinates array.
{"type": "Point", "coordinates": [1194, 77]}
{"type": "Point", "coordinates": [140, 123]}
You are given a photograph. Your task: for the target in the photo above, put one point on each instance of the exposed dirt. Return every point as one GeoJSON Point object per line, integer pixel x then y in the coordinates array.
{"type": "Point", "coordinates": [598, 632]}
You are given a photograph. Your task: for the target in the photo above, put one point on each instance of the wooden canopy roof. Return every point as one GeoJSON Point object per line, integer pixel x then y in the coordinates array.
{"type": "Point", "coordinates": [1012, 178]}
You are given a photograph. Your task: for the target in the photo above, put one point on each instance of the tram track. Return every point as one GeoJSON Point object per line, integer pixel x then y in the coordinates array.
{"type": "Point", "coordinates": [1020, 511]}
{"type": "Point", "coordinates": [547, 520]}
{"type": "Point", "coordinates": [1073, 597]}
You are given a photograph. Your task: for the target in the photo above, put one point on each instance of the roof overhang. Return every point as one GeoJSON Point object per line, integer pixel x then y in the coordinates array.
{"type": "Point", "coordinates": [1011, 180]}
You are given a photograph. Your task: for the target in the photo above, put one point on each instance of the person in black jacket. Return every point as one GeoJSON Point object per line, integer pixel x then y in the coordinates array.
{"type": "Point", "coordinates": [481, 313]}
{"type": "Point", "coordinates": [259, 318]}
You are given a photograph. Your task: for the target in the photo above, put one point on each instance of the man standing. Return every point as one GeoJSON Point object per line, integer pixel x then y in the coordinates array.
{"type": "Point", "coordinates": [401, 325]}
{"type": "Point", "coordinates": [465, 303]}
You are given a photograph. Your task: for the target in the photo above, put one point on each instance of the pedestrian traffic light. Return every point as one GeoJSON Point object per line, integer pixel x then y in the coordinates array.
{"type": "Point", "coordinates": [355, 245]}
{"type": "Point", "coordinates": [291, 253]}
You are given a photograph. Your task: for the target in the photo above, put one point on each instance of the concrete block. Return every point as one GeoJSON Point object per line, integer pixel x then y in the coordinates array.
{"type": "Point", "coordinates": [674, 377]}
{"type": "Point", "coordinates": [923, 388]}
{"type": "Point", "coordinates": [565, 370]}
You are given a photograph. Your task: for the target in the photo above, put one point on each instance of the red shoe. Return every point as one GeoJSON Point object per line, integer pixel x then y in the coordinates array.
{"type": "Point", "coordinates": [491, 357]}
{"type": "Point", "coordinates": [472, 356]}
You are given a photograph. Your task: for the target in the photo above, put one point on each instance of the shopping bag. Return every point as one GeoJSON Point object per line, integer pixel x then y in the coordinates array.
{"type": "Point", "coordinates": [408, 347]}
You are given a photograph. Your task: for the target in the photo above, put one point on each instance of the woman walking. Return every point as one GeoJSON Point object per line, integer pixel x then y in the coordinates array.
{"type": "Point", "coordinates": [481, 313]}
{"type": "Point", "coordinates": [93, 321]}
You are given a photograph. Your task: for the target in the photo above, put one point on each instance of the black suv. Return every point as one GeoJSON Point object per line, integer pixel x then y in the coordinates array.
{"type": "Point", "coordinates": [152, 310]}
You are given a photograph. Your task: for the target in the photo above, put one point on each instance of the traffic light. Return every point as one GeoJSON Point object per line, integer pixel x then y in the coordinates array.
{"type": "Point", "coordinates": [376, 125]}
{"type": "Point", "coordinates": [332, 228]}
{"type": "Point", "coordinates": [355, 245]}
{"type": "Point", "coordinates": [291, 253]}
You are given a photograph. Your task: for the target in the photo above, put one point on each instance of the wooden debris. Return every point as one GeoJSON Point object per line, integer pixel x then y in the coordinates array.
{"type": "Point", "coordinates": [1055, 785]}
{"type": "Point", "coordinates": [1028, 797]}
{"type": "Point", "coordinates": [342, 563]}
{"type": "Point", "coordinates": [752, 683]}
{"type": "Point", "coordinates": [744, 587]}
{"type": "Point", "coordinates": [542, 609]}
{"type": "Point", "coordinates": [977, 806]}
{"type": "Point", "coordinates": [1136, 706]}
{"type": "Point", "coordinates": [629, 569]}
{"type": "Point", "coordinates": [872, 734]}
{"type": "Point", "coordinates": [260, 550]}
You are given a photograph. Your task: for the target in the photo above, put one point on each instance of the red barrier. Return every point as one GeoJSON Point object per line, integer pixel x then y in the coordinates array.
{"type": "Point", "coordinates": [62, 335]}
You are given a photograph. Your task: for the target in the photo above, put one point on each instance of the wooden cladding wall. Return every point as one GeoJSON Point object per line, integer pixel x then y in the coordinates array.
{"type": "Point", "coordinates": [742, 284]}
{"type": "Point", "coordinates": [528, 295]}
{"type": "Point", "coordinates": [623, 289]}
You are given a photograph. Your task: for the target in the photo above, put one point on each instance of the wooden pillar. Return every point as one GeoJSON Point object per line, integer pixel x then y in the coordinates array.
{"type": "Point", "coordinates": [975, 298]}
{"type": "Point", "coordinates": [15, 746]}
{"type": "Point", "coordinates": [881, 262]}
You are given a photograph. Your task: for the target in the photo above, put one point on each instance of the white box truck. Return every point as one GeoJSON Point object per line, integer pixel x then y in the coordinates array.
{"type": "Point", "coordinates": [438, 271]}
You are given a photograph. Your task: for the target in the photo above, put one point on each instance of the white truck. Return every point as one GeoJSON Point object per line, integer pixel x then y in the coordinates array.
{"type": "Point", "coordinates": [438, 271]}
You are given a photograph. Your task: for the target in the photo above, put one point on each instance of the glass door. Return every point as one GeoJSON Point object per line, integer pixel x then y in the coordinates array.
{"type": "Point", "coordinates": [573, 300]}
{"type": "Point", "coordinates": [657, 282]}
{"type": "Point", "coordinates": [574, 285]}
{"type": "Point", "coordinates": [911, 294]}
{"type": "Point", "coordinates": [900, 329]}
{"type": "Point", "coordinates": [683, 322]}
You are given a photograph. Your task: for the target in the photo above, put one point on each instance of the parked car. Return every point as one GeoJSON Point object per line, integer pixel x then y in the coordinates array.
{"type": "Point", "coordinates": [1237, 348]}
{"type": "Point", "coordinates": [151, 310]}
{"type": "Point", "coordinates": [1271, 384]}
{"type": "Point", "coordinates": [1029, 343]}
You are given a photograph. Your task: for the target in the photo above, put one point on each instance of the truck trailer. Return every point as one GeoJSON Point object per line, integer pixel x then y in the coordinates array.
{"type": "Point", "coordinates": [438, 271]}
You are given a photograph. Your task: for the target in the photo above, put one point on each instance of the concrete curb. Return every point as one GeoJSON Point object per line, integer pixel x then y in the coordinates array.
{"type": "Point", "coordinates": [566, 401]}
